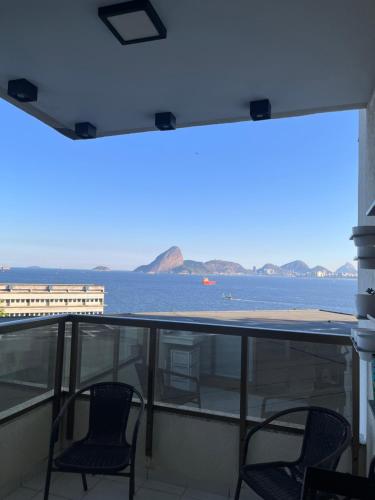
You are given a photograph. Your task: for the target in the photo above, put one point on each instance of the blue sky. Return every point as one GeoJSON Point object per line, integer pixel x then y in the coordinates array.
{"type": "Point", "coordinates": [270, 191]}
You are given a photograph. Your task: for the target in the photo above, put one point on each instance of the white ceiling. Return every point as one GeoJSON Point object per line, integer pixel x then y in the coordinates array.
{"type": "Point", "coordinates": [304, 55]}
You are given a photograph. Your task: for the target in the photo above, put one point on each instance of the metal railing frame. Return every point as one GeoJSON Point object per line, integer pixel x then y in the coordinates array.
{"type": "Point", "coordinates": [154, 326]}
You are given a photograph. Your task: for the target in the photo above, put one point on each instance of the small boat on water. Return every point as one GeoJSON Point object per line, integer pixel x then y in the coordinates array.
{"type": "Point", "coordinates": [4, 268]}
{"type": "Point", "coordinates": [227, 296]}
{"type": "Point", "coordinates": [206, 281]}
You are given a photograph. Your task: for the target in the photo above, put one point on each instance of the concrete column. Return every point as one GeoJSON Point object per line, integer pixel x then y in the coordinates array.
{"type": "Point", "coordinates": [366, 180]}
{"type": "Point", "coordinates": [366, 277]}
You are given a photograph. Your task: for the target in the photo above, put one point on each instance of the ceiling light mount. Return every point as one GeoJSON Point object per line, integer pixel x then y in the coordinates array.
{"type": "Point", "coordinates": [134, 21]}
{"type": "Point", "coordinates": [22, 90]}
{"type": "Point", "coordinates": [165, 121]}
{"type": "Point", "coordinates": [85, 130]}
{"type": "Point", "coordinates": [260, 110]}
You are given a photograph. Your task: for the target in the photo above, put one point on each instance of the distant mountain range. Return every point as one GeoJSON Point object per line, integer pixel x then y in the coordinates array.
{"type": "Point", "coordinates": [172, 261]}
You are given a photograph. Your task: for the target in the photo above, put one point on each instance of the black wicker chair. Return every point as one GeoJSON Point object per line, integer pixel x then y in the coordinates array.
{"type": "Point", "coordinates": [105, 449]}
{"type": "Point", "coordinates": [371, 471]}
{"type": "Point", "coordinates": [327, 434]}
{"type": "Point", "coordinates": [325, 484]}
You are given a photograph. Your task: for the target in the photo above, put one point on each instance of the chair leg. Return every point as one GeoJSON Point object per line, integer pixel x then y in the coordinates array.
{"type": "Point", "coordinates": [131, 484]}
{"type": "Point", "coordinates": [84, 481]}
{"type": "Point", "coordinates": [238, 489]}
{"type": "Point", "coordinates": [47, 483]}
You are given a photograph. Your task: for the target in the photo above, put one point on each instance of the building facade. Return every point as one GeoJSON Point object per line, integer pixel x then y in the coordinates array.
{"type": "Point", "coordinates": [43, 300]}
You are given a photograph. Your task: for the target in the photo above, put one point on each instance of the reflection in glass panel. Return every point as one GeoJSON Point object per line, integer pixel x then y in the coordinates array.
{"type": "Point", "coordinates": [113, 353]}
{"type": "Point", "coordinates": [285, 374]}
{"type": "Point", "coordinates": [27, 365]}
{"type": "Point", "coordinates": [198, 370]}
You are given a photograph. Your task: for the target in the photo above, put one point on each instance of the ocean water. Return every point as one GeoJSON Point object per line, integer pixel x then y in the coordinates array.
{"type": "Point", "coordinates": [137, 292]}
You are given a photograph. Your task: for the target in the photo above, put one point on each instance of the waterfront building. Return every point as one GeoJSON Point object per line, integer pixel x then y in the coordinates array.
{"type": "Point", "coordinates": [43, 300]}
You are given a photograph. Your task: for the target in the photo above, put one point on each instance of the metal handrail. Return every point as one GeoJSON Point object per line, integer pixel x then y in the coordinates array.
{"type": "Point", "coordinates": [189, 326]}
{"type": "Point", "coordinates": [25, 324]}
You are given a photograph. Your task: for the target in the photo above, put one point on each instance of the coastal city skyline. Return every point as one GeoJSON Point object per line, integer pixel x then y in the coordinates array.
{"type": "Point", "coordinates": [234, 192]}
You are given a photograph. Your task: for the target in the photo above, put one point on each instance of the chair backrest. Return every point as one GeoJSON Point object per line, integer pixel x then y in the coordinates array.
{"type": "Point", "coordinates": [110, 404]}
{"type": "Point", "coordinates": [327, 435]}
{"type": "Point", "coordinates": [321, 483]}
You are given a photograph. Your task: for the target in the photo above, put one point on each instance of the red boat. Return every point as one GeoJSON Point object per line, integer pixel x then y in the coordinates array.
{"type": "Point", "coordinates": [206, 281]}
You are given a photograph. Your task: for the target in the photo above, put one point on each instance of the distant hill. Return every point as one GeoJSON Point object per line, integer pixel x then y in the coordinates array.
{"type": "Point", "coordinates": [270, 269]}
{"type": "Point", "coordinates": [320, 268]}
{"type": "Point", "coordinates": [224, 267]}
{"type": "Point", "coordinates": [101, 268]}
{"type": "Point", "coordinates": [164, 263]}
{"type": "Point", "coordinates": [347, 270]}
{"type": "Point", "coordinates": [191, 267]}
{"type": "Point", "coordinates": [296, 268]}
{"type": "Point", "coordinates": [172, 261]}
{"type": "Point", "coordinates": [320, 272]}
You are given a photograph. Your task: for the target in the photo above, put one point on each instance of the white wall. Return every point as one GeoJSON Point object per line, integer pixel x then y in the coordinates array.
{"type": "Point", "coordinates": [23, 447]}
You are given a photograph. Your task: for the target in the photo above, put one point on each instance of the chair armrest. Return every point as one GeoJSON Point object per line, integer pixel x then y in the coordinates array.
{"type": "Point", "coordinates": [56, 422]}
{"type": "Point", "coordinates": [266, 422]}
{"type": "Point", "coordinates": [65, 406]}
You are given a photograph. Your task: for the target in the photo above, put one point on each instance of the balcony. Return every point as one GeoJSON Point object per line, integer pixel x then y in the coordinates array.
{"type": "Point", "coordinates": [204, 384]}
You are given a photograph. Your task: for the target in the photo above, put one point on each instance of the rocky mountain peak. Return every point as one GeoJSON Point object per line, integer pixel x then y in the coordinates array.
{"type": "Point", "coordinates": [165, 262]}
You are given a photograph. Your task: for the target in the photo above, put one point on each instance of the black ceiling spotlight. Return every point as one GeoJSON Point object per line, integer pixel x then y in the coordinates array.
{"type": "Point", "coordinates": [260, 110]}
{"type": "Point", "coordinates": [22, 90]}
{"type": "Point", "coordinates": [134, 21]}
{"type": "Point", "coordinates": [165, 121]}
{"type": "Point", "coordinates": [85, 130]}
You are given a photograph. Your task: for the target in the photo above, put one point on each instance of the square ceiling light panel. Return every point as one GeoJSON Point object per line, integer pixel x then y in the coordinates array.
{"type": "Point", "coordinates": [135, 21]}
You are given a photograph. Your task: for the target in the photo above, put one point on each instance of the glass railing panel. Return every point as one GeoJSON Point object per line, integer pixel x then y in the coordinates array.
{"type": "Point", "coordinates": [133, 352]}
{"type": "Point", "coordinates": [284, 374]}
{"type": "Point", "coordinates": [112, 353]}
{"type": "Point", "coordinates": [199, 371]}
{"type": "Point", "coordinates": [27, 367]}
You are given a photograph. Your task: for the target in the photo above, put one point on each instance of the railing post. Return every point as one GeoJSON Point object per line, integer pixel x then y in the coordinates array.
{"type": "Point", "coordinates": [116, 354]}
{"type": "Point", "coordinates": [73, 370]}
{"type": "Point", "coordinates": [243, 392]}
{"type": "Point", "coordinates": [355, 411]}
{"type": "Point", "coordinates": [152, 352]}
{"type": "Point", "coordinates": [59, 367]}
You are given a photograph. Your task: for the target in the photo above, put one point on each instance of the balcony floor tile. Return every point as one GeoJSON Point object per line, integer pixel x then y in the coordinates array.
{"type": "Point", "coordinates": [21, 494]}
{"type": "Point", "coordinates": [192, 494]}
{"type": "Point", "coordinates": [36, 482]}
{"type": "Point", "coordinates": [69, 487]}
{"type": "Point", "coordinates": [163, 487]}
{"type": "Point", "coordinates": [40, 496]}
{"type": "Point", "coordinates": [145, 494]}
{"type": "Point", "coordinates": [206, 496]}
